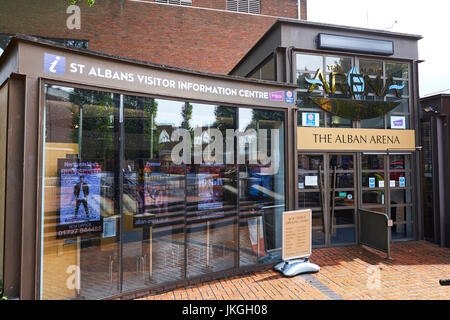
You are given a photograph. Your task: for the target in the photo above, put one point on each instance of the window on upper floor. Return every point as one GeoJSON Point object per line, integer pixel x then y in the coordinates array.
{"type": "Point", "coordinates": [74, 43]}
{"type": "Point", "coordinates": [246, 6]}
{"type": "Point", "coordinates": [177, 2]}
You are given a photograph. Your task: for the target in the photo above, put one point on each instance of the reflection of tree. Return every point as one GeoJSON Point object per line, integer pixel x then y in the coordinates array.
{"type": "Point", "coordinates": [140, 114]}
{"type": "Point", "coordinates": [266, 116]}
{"type": "Point", "coordinates": [225, 118]}
{"type": "Point", "coordinates": [98, 122]}
{"type": "Point", "coordinates": [186, 115]}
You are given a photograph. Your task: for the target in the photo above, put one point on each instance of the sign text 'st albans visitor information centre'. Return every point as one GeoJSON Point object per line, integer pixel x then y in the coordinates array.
{"type": "Point", "coordinates": [120, 177]}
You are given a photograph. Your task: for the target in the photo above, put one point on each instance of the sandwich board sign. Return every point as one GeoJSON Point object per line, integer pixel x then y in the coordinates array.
{"type": "Point", "coordinates": [296, 243]}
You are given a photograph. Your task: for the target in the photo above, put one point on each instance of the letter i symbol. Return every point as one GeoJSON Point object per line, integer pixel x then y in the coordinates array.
{"type": "Point", "coordinates": [53, 65]}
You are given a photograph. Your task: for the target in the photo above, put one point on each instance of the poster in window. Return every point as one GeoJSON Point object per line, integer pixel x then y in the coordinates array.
{"type": "Point", "coordinates": [210, 191]}
{"type": "Point", "coordinates": [79, 199]}
{"type": "Point", "coordinates": [152, 196]}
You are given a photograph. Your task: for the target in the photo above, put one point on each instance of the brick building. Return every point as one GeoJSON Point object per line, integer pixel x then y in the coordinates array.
{"type": "Point", "coordinates": [204, 35]}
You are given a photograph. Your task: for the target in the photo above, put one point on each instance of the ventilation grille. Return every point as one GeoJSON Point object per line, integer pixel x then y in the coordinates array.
{"type": "Point", "coordinates": [247, 6]}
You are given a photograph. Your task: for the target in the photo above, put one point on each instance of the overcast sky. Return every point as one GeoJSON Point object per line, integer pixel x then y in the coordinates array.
{"type": "Point", "coordinates": [431, 19]}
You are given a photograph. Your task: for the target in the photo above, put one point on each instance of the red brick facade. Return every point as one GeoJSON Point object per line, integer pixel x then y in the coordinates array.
{"type": "Point", "coordinates": [192, 38]}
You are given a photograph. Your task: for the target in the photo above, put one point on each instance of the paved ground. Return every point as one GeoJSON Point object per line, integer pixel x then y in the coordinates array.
{"type": "Point", "coordinates": [346, 273]}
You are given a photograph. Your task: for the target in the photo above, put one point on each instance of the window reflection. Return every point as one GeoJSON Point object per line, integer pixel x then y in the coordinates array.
{"type": "Point", "coordinates": [158, 220]}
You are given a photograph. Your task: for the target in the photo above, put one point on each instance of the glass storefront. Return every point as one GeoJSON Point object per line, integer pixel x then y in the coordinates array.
{"type": "Point", "coordinates": [335, 72]}
{"type": "Point", "coordinates": [140, 192]}
{"type": "Point", "coordinates": [334, 186]}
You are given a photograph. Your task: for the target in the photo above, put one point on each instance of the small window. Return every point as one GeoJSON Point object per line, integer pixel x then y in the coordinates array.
{"type": "Point", "coordinates": [246, 6]}
{"type": "Point", "coordinates": [176, 2]}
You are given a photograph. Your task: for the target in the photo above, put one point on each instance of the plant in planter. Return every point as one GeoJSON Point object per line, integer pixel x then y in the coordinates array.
{"type": "Point", "coordinates": [2, 297]}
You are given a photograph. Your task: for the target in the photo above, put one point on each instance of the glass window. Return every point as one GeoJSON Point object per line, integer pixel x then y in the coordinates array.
{"type": "Point", "coordinates": [268, 70]}
{"type": "Point", "coordinates": [343, 235]}
{"type": "Point", "coordinates": [400, 162]}
{"type": "Point", "coordinates": [372, 162]}
{"type": "Point", "coordinates": [262, 187]}
{"type": "Point", "coordinates": [153, 193]}
{"type": "Point", "coordinates": [378, 176]}
{"type": "Point", "coordinates": [344, 217]}
{"type": "Point", "coordinates": [341, 162]}
{"type": "Point", "coordinates": [403, 106]}
{"type": "Point", "coordinates": [309, 200]}
{"type": "Point", "coordinates": [306, 62]}
{"type": "Point", "coordinates": [307, 162]}
{"type": "Point", "coordinates": [343, 199]}
{"type": "Point", "coordinates": [338, 64]}
{"type": "Point", "coordinates": [81, 207]}
{"type": "Point", "coordinates": [400, 196]}
{"type": "Point", "coordinates": [184, 172]}
{"type": "Point", "coordinates": [373, 197]}
{"type": "Point", "coordinates": [397, 70]}
{"type": "Point", "coordinates": [334, 121]}
{"type": "Point", "coordinates": [304, 100]}
{"type": "Point", "coordinates": [375, 123]}
{"type": "Point", "coordinates": [301, 81]}
{"type": "Point", "coordinates": [401, 214]}
{"type": "Point", "coordinates": [211, 185]}
{"type": "Point", "coordinates": [371, 67]}
{"type": "Point", "coordinates": [402, 231]}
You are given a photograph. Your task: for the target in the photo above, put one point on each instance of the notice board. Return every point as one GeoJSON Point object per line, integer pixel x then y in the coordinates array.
{"type": "Point", "coordinates": [297, 231]}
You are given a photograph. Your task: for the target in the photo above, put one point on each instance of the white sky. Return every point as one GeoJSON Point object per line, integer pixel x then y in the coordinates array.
{"type": "Point", "coordinates": [431, 19]}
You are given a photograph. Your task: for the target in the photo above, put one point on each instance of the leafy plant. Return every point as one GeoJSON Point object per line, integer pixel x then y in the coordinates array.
{"type": "Point", "coordinates": [1, 291]}
{"type": "Point", "coordinates": [89, 2]}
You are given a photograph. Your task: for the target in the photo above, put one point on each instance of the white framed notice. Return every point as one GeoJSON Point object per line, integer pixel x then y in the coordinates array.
{"type": "Point", "coordinates": [109, 227]}
{"type": "Point", "coordinates": [311, 181]}
{"type": "Point", "coordinates": [398, 122]}
{"type": "Point", "coordinates": [296, 234]}
{"type": "Point", "coordinates": [310, 119]}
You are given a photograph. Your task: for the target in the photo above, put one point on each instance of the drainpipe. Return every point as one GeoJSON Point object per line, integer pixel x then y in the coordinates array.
{"type": "Point", "coordinates": [298, 8]}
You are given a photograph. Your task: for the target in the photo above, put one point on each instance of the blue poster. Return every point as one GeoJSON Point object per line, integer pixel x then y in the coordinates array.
{"type": "Point", "coordinates": [371, 182]}
{"type": "Point", "coordinates": [401, 181]}
{"type": "Point", "coordinates": [79, 198]}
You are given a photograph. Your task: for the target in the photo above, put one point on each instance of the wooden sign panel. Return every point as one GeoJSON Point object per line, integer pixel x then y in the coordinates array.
{"type": "Point", "coordinates": [350, 139]}
{"type": "Point", "coordinates": [297, 227]}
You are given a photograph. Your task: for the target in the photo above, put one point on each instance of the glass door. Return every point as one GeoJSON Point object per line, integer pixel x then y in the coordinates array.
{"type": "Point", "coordinates": [327, 186]}
{"type": "Point", "coordinates": [386, 187]}
{"type": "Point", "coordinates": [342, 198]}
{"type": "Point", "coordinates": [311, 191]}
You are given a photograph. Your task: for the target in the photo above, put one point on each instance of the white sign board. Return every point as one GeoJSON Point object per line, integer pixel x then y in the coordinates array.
{"type": "Point", "coordinates": [297, 234]}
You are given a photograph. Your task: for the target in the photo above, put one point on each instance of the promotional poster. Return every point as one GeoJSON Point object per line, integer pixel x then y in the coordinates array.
{"type": "Point", "coordinates": [210, 191]}
{"type": "Point", "coordinates": [80, 198]}
{"type": "Point", "coordinates": [152, 196]}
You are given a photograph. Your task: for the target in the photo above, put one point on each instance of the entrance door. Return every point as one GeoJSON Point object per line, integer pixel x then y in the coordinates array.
{"type": "Point", "coordinates": [386, 187]}
{"type": "Point", "coordinates": [327, 185]}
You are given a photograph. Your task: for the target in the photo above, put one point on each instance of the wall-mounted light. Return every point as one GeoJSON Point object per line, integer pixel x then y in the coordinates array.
{"type": "Point", "coordinates": [430, 109]}
{"type": "Point", "coordinates": [355, 44]}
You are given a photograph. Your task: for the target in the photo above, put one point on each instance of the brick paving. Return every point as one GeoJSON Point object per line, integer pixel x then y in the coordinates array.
{"type": "Point", "coordinates": [347, 272]}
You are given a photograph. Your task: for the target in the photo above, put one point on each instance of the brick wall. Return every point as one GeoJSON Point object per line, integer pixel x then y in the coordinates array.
{"type": "Point", "coordinates": [204, 40]}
